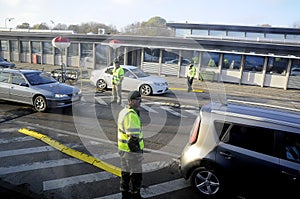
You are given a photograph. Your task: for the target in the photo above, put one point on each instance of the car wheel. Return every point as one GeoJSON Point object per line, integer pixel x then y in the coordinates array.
{"type": "Point", "coordinates": [145, 89]}
{"type": "Point", "coordinates": [40, 103]}
{"type": "Point", "coordinates": [101, 84]}
{"type": "Point", "coordinates": [207, 182]}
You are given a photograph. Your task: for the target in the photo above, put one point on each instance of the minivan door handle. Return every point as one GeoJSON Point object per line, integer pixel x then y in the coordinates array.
{"type": "Point", "coordinates": [227, 155]}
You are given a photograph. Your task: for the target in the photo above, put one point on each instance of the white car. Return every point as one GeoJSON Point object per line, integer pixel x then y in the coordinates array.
{"type": "Point", "coordinates": [134, 79]}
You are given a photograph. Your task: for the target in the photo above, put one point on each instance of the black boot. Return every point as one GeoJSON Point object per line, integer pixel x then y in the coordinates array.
{"type": "Point", "coordinates": [126, 195]}
{"type": "Point", "coordinates": [137, 195]}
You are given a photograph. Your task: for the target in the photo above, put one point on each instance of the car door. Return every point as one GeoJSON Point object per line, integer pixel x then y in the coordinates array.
{"type": "Point", "coordinates": [130, 81]}
{"type": "Point", "coordinates": [19, 89]}
{"type": "Point", "coordinates": [4, 85]}
{"type": "Point", "coordinates": [245, 155]}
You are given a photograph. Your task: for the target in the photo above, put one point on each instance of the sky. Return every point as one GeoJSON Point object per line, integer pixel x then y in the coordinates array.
{"type": "Point", "coordinates": [120, 13]}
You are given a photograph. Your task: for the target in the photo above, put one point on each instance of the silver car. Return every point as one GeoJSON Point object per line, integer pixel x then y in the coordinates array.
{"type": "Point", "coordinates": [36, 88]}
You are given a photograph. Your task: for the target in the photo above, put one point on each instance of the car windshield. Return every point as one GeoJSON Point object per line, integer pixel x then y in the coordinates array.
{"type": "Point", "coordinates": [37, 78]}
{"type": "Point", "coordinates": [139, 73]}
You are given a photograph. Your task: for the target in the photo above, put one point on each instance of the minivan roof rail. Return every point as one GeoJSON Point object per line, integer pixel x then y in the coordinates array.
{"type": "Point", "coordinates": [231, 101]}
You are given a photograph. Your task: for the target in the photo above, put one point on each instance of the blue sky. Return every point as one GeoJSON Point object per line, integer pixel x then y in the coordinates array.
{"type": "Point", "coordinates": [120, 13]}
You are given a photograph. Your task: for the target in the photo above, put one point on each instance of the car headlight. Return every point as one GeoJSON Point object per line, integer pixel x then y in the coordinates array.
{"type": "Point", "coordinates": [60, 95]}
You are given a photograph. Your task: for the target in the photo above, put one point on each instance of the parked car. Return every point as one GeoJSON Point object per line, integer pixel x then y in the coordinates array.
{"type": "Point", "coordinates": [184, 62]}
{"type": "Point", "coordinates": [134, 79]}
{"type": "Point", "coordinates": [244, 147]}
{"type": "Point", "coordinates": [6, 64]}
{"type": "Point", "coordinates": [36, 88]}
{"type": "Point", "coordinates": [295, 71]}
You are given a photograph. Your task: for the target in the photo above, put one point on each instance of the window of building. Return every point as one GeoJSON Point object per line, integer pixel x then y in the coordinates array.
{"type": "Point", "coordinates": [217, 33]}
{"type": "Point", "coordinates": [200, 32]}
{"type": "Point", "coordinates": [47, 48]}
{"type": "Point", "coordinates": [86, 50]}
{"type": "Point", "coordinates": [275, 36]}
{"type": "Point", "coordinates": [4, 45]}
{"type": "Point", "coordinates": [36, 47]}
{"type": "Point", "coordinates": [14, 46]}
{"type": "Point", "coordinates": [236, 34]}
{"type": "Point", "coordinates": [210, 59]}
{"type": "Point", "coordinates": [255, 35]}
{"type": "Point", "coordinates": [182, 32]}
{"type": "Point", "coordinates": [151, 55]}
{"type": "Point", "coordinates": [232, 61]}
{"type": "Point", "coordinates": [293, 37]}
{"type": "Point", "coordinates": [24, 46]}
{"type": "Point", "coordinates": [73, 49]}
{"type": "Point", "coordinates": [253, 63]}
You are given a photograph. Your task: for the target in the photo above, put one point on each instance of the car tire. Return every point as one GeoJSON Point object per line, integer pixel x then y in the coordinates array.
{"type": "Point", "coordinates": [145, 89]}
{"type": "Point", "coordinates": [207, 182]}
{"type": "Point", "coordinates": [40, 103]}
{"type": "Point", "coordinates": [101, 84]}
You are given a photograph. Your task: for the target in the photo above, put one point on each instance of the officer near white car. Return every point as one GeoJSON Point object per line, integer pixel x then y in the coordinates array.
{"type": "Point", "coordinates": [117, 78]}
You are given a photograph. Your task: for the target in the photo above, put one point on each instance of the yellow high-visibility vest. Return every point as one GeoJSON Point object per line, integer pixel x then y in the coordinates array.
{"type": "Point", "coordinates": [129, 123]}
{"type": "Point", "coordinates": [192, 72]}
{"type": "Point", "coordinates": [117, 75]}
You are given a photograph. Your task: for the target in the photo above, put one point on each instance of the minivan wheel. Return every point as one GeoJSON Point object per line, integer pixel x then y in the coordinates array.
{"type": "Point", "coordinates": [40, 103]}
{"type": "Point", "coordinates": [207, 182]}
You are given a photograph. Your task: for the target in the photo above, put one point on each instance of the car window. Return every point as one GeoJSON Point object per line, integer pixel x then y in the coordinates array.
{"type": "Point", "coordinates": [221, 128]}
{"type": "Point", "coordinates": [4, 77]}
{"type": "Point", "coordinates": [252, 138]}
{"type": "Point", "coordinates": [127, 73]}
{"type": "Point", "coordinates": [109, 70]}
{"type": "Point", "coordinates": [17, 79]}
{"type": "Point", "coordinates": [38, 78]}
{"type": "Point", "coordinates": [292, 147]}
{"type": "Point", "coordinates": [139, 73]}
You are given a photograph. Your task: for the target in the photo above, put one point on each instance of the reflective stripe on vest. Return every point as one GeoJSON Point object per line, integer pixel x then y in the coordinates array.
{"type": "Point", "coordinates": [129, 124]}
{"type": "Point", "coordinates": [117, 75]}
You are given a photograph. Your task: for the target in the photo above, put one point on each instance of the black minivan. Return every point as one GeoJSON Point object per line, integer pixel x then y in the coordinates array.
{"type": "Point", "coordinates": [246, 149]}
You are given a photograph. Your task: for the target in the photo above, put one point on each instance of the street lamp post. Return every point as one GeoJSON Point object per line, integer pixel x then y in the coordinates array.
{"type": "Point", "coordinates": [9, 19]}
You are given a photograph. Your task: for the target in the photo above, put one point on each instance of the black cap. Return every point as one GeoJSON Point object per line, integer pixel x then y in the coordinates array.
{"type": "Point", "coordinates": [134, 95]}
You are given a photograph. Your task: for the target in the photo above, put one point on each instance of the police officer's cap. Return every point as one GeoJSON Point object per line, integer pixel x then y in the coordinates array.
{"type": "Point", "coordinates": [134, 95]}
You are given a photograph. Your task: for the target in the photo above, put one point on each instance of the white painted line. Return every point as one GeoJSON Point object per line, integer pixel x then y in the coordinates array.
{"type": "Point", "coordinates": [172, 111]}
{"type": "Point", "coordinates": [9, 130]}
{"type": "Point", "coordinates": [44, 165]}
{"type": "Point", "coordinates": [16, 139]}
{"type": "Point", "coordinates": [92, 177]}
{"type": "Point", "coordinates": [155, 190]}
{"type": "Point", "coordinates": [32, 150]}
{"type": "Point", "coordinates": [100, 101]}
{"type": "Point", "coordinates": [147, 108]}
{"type": "Point", "coordinates": [193, 112]}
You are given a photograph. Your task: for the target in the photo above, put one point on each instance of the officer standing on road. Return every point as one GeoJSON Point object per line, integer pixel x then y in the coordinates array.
{"type": "Point", "coordinates": [117, 78]}
{"type": "Point", "coordinates": [190, 76]}
{"type": "Point", "coordinates": [131, 145]}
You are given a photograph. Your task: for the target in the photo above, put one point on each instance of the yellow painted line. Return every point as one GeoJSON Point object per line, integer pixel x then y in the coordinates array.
{"type": "Point", "coordinates": [73, 153]}
{"type": "Point", "coordinates": [184, 89]}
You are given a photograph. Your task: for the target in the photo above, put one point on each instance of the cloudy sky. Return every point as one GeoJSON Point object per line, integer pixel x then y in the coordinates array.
{"type": "Point", "coordinates": [120, 13]}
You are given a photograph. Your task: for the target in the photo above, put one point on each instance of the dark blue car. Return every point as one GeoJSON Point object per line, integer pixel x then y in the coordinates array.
{"type": "Point", "coordinates": [6, 64]}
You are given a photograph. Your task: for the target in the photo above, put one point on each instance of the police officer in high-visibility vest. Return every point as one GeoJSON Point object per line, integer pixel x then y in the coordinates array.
{"type": "Point", "coordinates": [131, 145]}
{"type": "Point", "coordinates": [190, 76]}
{"type": "Point", "coordinates": [117, 78]}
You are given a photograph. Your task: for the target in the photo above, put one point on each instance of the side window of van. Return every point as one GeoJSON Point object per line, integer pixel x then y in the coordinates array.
{"type": "Point", "coordinates": [292, 147]}
{"type": "Point", "coordinates": [252, 138]}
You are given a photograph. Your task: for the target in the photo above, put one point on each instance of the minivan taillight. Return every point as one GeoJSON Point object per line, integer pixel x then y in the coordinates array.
{"type": "Point", "coordinates": [195, 131]}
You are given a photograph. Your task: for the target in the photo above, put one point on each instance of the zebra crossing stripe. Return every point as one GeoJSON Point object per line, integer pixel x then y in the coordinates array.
{"type": "Point", "coordinates": [156, 190]}
{"type": "Point", "coordinates": [73, 153]}
{"type": "Point", "coordinates": [17, 139]}
{"type": "Point", "coordinates": [91, 177]}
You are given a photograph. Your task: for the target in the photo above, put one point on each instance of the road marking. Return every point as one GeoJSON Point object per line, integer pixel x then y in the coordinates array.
{"type": "Point", "coordinates": [32, 150]}
{"type": "Point", "coordinates": [185, 89]}
{"type": "Point", "coordinates": [157, 189]}
{"type": "Point", "coordinates": [147, 108]}
{"type": "Point", "coordinates": [100, 100]}
{"type": "Point", "coordinates": [91, 177]}
{"type": "Point", "coordinates": [193, 112]}
{"type": "Point", "coordinates": [16, 139]}
{"type": "Point", "coordinates": [172, 111]}
{"type": "Point", "coordinates": [45, 164]}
